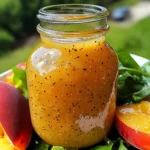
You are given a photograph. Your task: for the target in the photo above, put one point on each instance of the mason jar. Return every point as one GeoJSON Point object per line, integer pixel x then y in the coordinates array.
{"type": "Point", "coordinates": [72, 76]}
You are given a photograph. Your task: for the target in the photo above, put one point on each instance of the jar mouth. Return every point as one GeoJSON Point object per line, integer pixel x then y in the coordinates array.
{"type": "Point", "coordinates": [72, 21]}
{"type": "Point", "coordinates": [72, 13]}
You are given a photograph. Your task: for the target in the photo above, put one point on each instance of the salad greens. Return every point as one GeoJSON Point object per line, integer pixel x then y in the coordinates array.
{"type": "Point", "coordinates": [133, 80]}
{"type": "Point", "coordinates": [20, 80]}
{"type": "Point", "coordinates": [57, 148]}
{"type": "Point", "coordinates": [42, 146]}
{"type": "Point", "coordinates": [103, 147]}
{"type": "Point", "coordinates": [121, 146]}
{"type": "Point", "coordinates": [133, 86]}
{"type": "Point", "coordinates": [111, 145]}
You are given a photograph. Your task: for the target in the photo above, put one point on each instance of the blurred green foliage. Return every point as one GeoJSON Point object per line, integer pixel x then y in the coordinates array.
{"type": "Point", "coordinates": [29, 12]}
{"type": "Point", "coordinates": [19, 16]}
{"type": "Point", "coordinates": [18, 20]}
{"type": "Point", "coordinates": [6, 39]}
{"type": "Point", "coordinates": [10, 12]}
{"type": "Point", "coordinates": [10, 24]}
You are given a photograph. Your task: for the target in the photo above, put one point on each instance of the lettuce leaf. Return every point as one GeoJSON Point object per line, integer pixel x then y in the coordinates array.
{"type": "Point", "coordinates": [57, 148]}
{"type": "Point", "coordinates": [133, 80]}
{"type": "Point", "coordinates": [103, 147]}
{"type": "Point", "coordinates": [121, 145]}
{"type": "Point", "coordinates": [20, 80]}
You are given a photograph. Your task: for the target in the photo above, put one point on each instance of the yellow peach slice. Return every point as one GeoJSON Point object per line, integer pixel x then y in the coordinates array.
{"type": "Point", "coordinates": [133, 124]}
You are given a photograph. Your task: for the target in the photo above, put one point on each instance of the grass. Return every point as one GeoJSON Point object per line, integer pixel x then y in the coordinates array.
{"type": "Point", "coordinates": [134, 39]}
{"type": "Point", "coordinates": [12, 58]}
{"type": "Point", "coordinates": [16, 56]}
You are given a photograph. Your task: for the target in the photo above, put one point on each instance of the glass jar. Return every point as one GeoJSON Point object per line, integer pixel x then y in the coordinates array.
{"type": "Point", "coordinates": [72, 76]}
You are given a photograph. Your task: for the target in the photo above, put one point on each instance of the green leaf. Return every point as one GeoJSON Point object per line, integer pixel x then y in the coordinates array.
{"type": "Point", "coordinates": [146, 67]}
{"type": "Point", "coordinates": [134, 71]}
{"type": "Point", "coordinates": [133, 80]}
{"type": "Point", "coordinates": [127, 85]}
{"type": "Point", "coordinates": [19, 75]}
{"type": "Point", "coordinates": [57, 148]}
{"type": "Point", "coordinates": [25, 92]}
{"type": "Point", "coordinates": [137, 96]}
{"type": "Point", "coordinates": [127, 61]}
{"type": "Point", "coordinates": [42, 146]}
{"type": "Point", "coordinates": [103, 147]}
{"type": "Point", "coordinates": [121, 145]}
{"type": "Point", "coordinates": [20, 80]}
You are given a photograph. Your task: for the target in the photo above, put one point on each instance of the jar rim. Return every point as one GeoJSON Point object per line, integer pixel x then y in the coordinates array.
{"type": "Point", "coordinates": [72, 13]}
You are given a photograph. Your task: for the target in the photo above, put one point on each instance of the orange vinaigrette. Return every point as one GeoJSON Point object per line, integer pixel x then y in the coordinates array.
{"type": "Point", "coordinates": [72, 77]}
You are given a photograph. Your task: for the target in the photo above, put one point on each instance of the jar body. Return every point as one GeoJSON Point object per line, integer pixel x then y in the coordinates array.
{"type": "Point", "coordinates": [72, 91]}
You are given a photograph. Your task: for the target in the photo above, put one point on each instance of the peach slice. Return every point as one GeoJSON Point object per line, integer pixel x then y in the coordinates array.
{"type": "Point", "coordinates": [133, 124]}
{"type": "Point", "coordinates": [5, 143]}
{"type": "Point", "coordinates": [15, 122]}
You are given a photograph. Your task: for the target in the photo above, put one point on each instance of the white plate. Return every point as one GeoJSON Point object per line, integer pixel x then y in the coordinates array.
{"type": "Point", "coordinates": [140, 60]}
